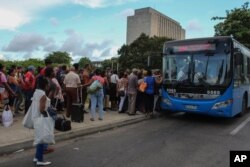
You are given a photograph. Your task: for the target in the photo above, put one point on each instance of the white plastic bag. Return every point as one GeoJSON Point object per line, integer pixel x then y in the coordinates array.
{"type": "Point", "coordinates": [27, 120]}
{"type": "Point", "coordinates": [7, 116]}
{"type": "Point", "coordinates": [44, 130]}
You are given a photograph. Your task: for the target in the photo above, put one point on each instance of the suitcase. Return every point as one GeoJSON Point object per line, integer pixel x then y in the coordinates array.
{"type": "Point", "coordinates": [77, 114]}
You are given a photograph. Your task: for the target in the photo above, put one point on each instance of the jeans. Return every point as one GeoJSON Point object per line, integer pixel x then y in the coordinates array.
{"type": "Point", "coordinates": [39, 152]}
{"type": "Point", "coordinates": [97, 98]}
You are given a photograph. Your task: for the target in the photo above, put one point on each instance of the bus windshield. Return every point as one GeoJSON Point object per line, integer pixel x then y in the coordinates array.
{"type": "Point", "coordinates": [207, 69]}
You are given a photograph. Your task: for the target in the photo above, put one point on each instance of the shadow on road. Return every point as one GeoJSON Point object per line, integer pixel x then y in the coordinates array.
{"type": "Point", "coordinates": [200, 118]}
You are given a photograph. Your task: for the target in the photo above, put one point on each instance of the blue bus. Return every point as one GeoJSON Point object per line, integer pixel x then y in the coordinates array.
{"type": "Point", "coordinates": [207, 76]}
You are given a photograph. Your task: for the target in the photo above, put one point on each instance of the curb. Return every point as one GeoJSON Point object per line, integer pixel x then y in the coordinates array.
{"type": "Point", "coordinates": [61, 136]}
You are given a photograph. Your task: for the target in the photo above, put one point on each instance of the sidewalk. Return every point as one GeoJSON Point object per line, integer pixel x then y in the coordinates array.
{"type": "Point", "coordinates": [16, 137]}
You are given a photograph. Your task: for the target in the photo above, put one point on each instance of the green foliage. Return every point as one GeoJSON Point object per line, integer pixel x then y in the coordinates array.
{"type": "Point", "coordinates": [107, 64]}
{"type": "Point", "coordinates": [236, 23]}
{"type": "Point", "coordinates": [60, 58]}
{"type": "Point", "coordinates": [136, 54]}
{"type": "Point", "coordinates": [83, 61]}
{"type": "Point", "coordinates": [24, 64]}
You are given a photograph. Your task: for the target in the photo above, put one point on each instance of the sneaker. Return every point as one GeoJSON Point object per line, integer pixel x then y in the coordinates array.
{"type": "Point", "coordinates": [100, 119]}
{"type": "Point", "coordinates": [43, 163]}
{"type": "Point", "coordinates": [92, 119]}
{"type": "Point", "coordinates": [35, 160]}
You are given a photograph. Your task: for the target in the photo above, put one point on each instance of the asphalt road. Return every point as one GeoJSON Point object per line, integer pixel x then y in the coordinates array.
{"type": "Point", "coordinates": [176, 140]}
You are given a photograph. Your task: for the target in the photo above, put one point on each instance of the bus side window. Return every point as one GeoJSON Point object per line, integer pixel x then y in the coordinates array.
{"type": "Point", "coordinates": [239, 75]}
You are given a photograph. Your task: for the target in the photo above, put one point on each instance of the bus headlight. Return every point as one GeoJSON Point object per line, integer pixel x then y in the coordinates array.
{"type": "Point", "coordinates": [167, 101]}
{"type": "Point", "coordinates": [222, 104]}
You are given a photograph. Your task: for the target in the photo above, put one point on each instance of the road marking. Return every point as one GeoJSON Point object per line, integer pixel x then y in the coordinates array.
{"type": "Point", "coordinates": [238, 128]}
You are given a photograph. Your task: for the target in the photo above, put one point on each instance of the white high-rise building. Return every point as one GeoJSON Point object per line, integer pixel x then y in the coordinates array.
{"type": "Point", "coordinates": [152, 23]}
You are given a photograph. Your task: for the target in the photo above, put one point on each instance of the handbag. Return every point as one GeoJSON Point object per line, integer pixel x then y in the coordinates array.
{"type": "Point", "coordinates": [44, 130]}
{"type": "Point", "coordinates": [121, 93]}
{"type": "Point", "coordinates": [62, 124]}
{"type": "Point", "coordinates": [7, 116]}
{"type": "Point", "coordinates": [27, 120]}
{"type": "Point", "coordinates": [143, 86]}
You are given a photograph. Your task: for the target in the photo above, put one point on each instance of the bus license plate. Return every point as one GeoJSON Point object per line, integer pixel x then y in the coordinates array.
{"type": "Point", "coordinates": [191, 107]}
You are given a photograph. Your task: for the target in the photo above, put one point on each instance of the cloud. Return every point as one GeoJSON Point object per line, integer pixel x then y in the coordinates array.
{"type": "Point", "coordinates": [15, 13]}
{"type": "Point", "coordinates": [11, 19]}
{"type": "Point", "coordinates": [76, 45]}
{"type": "Point", "coordinates": [29, 42]}
{"type": "Point", "coordinates": [194, 25]}
{"type": "Point", "coordinates": [127, 12]}
{"type": "Point", "coordinates": [27, 45]}
{"type": "Point", "coordinates": [101, 3]}
{"type": "Point", "coordinates": [73, 43]}
{"type": "Point", "coordinates": [2, 57]}
{"type": "Point", "coordinates": [54, 21]}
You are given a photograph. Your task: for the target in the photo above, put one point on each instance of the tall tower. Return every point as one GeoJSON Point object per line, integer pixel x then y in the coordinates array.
{"type": "Point", "coordinates": [152, 23]}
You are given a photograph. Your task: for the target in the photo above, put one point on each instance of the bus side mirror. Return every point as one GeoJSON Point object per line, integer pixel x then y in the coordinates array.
{"type": "Point", "coordinates": [238, 57]}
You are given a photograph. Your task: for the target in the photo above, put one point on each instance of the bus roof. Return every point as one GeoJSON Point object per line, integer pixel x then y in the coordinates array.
{"type": "Point", "coordinates": [197, 39]}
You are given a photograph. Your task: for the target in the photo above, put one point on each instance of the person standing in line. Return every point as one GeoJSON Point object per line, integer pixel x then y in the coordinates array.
{"type": "Point", "coordinates": [4, 84]}
{"type": "Point", "coordinates": [71, 82]}
{"type": "Point", "coordinates": [132, 91]}
{"type": "Point", "coordinates": [58, 96]}
{"type": "Point", "coordinates": [140, 95]}
{"type": "Point", "coordinates": [85, 79]}
{"type": "Point", "coordinates": [122, 86]}
{"type": "Point", "coordinates": [60, 77]}
{"type": "Point", "coordinates": [96, 97]}
{"type": "Point", "coordinates": [149, 93]}
{"type": "Point", "coordinates": [12, 81]}
{"type": "Point", "coordinates": [113, 93]}
{"type": "Point", "coordinates": [48, 63]}
{"type": "Point", "coordinates": [157, 87]}
{"type": "Point", "coordinates": [29, 86]}
{"type": "Point", "coordinates": [19, 99]}
{"type": "Point", "coordinates": [105, 91]}
{"type": "Point", "coordinates": [40, 104]}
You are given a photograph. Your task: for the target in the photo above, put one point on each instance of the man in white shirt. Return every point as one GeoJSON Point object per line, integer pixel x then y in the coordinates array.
{"type": "Point", "coordinates": [71, 82]}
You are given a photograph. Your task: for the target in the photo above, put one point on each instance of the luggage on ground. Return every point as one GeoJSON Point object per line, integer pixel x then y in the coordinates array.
{"type": "Point", "coordinates": [77, 114]}
{"type": "Point", "coordinates": [62, 124]}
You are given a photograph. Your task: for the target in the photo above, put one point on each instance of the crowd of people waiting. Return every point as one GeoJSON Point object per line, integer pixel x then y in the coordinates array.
{"type": "Point", "coordinates": [120, 90]}
{"type": "Point", "coordinates": [61, 86]}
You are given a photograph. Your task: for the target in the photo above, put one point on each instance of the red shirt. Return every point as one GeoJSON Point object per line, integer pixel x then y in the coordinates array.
{"type": "Point", "coordinates": [29, 81]}
{"type": "Point", "coordinates": [42, 72]}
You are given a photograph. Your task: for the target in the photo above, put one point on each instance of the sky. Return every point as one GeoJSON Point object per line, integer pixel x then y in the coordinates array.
{"type": "Point", "coordinates": [92, 28]}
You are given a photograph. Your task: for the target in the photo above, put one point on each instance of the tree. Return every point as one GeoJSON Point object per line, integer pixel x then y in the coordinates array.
{"type": "Point", "coordinates": [25, 63]}
{"type": "Point", "coordinates": [83, 61]}
{"type": "Point", "coordinates": [236, 23]}
{"type": "Point", "coordinates": [59, 58]}
{"type": "Point", "coordinates": [136, 54]}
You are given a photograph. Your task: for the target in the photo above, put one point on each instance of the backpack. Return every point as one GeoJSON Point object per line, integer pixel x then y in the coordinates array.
{"type": "Point", "coordinates": [94, 87]}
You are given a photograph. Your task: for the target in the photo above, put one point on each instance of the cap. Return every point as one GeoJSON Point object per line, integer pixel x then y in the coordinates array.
{"type": "Point", "coordinates": [31, 67]}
